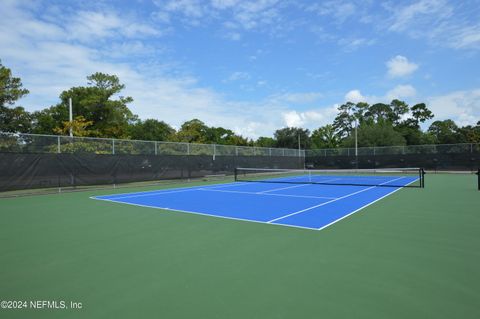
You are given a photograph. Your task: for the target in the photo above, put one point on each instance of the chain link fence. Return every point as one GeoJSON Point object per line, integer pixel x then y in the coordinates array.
{"type": "Point", "coordinates": [46, 163]}
{"type": "Point", "coordinates": [398, 150]}
{"type": "Point", "coordinates": [35, 143]}
{"type": "Point", "coordinates": [437, 157]}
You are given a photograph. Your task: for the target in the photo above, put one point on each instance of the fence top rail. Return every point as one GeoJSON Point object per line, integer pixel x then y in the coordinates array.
{"type": "Point", "coordinates": [55, 138]}
{"type": "Point", "coordinates": [470, 146]}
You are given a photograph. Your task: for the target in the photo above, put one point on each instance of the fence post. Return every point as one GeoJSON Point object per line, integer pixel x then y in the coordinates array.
{"type": "Point", "coordinates": [58, 144]}
{"type": "Point", "coordinates": [188, 148]}
{"type": "Point", "coordinates": [214, 150]}
{"type": "Point", "coordinates": [113, 146]}
{"type": "Point", "coordinates": [156, 148]}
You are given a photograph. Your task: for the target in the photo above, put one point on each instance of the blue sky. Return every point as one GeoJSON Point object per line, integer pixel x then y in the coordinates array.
{"type": "Point", "coordinates": [251, 66]}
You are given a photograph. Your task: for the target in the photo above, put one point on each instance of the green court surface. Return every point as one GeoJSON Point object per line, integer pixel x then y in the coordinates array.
{"type": "Point", "coordinates": [414, 254]}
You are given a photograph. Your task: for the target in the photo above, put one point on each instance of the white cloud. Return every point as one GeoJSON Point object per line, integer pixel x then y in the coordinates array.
{"type": "Point", "coordinates": [339, 10]}
{"type": "Point", "coordinates": [355, 96]}
{"type": "Point", "coordinates": [352, 44]}
{"type": "Point", "coordinates": [234, 36]}
{"type": "Point", "coordinates": [49, 65]}
{"type": "Point", "coordinates": [50, 56]}
{"type": "Point", "coordinates": [398, 92]}
{"type": "Point", "coordinates": [261, 83]}
{"type": "Point", "coordinates": [224, 4]}
{"type": "Point", "coordinates": [310, 119]}
{"type": "Point", "coordinates": [461, 106]}
{"type": "Point", "coordinates": [238, 76]}
{"type": "Point", "coordinates": [406, 16]}
{"type": "Point", "coordinates": [189, 8]}
{"type": "Point", "coordinates": [243, 15]}
{"type": "Point", "coordinates": [440, 22]}
{"type": "Point", "coordinates": [399, 66]}
{"type": "Point", "coordinates": [466, 37]}
{"type": "Point", "coordinates": [94, 25]}
{"type": "Point", "coordinates": [293, 119]}
{"type": "Point", "coordinates": [401, 92]}
{"type": "Point", "coordinates": [253, 14]}
{"type": "Point", "coordinates": [297, 98]}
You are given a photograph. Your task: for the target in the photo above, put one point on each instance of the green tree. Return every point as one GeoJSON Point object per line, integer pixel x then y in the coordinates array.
{"type": "Point", "coordinates": [347, 113]}
{"type": "Point", "coordinates": [78, 125]}
{"type": "Point", "coordinates": [238, 140]}
{"type": "Point", "coordinates": [445, 132]}
{"type": "Point", "coordinates": [412, 133]}
{"type": "Point", "coordinates": [151, 130]}
{"type": "Point", "coordinates": [325, 137]}
{"type": "Point", "coordinates": [470, 134]}
{"type": "Point", "coordinates": [47, 120]}
{"type": "Point", "coordinates": [375, 134]}
{"type": "Point", "coordinates": [360, 110]}
{"type": "Point", "coordinates": [110, 117]}
{"type": "Point", "coordinates": [398, 110]}
{"type": "Point", "coordinates": [420, 113]}
{"type": "Point", "coordinates": [11, 88]}
{"type": "Point", "coordinates": [12, 119]}
{"type": "Point", "coordinates": [15, 119]}
{"type": "Point", "coordinates": [263, 141]}
{"type": "Point", "coordinates": [193, 131]}
{"type": "Point", "coordinates": [288, 137]}
{"type": "Point", "coordinates": [219, 135]}
{"type": "Point", "coordinates": [379, 112]}
{"type": "Point", "coordinates": [410, 127]}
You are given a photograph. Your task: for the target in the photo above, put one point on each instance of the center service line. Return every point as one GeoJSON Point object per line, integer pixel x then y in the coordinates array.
{"type": "Point", "coordinates": [331, 201]}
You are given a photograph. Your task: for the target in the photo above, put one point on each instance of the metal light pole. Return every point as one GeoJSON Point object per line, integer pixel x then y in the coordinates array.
{"type": "Point", "coordinates": [356, 143]}
{"type": "Point", "coordinates": [70, 115]}
{"type": "Point", "coordinates": [300, 151]}
{"type": "Point", "coordinates": [299, 148]}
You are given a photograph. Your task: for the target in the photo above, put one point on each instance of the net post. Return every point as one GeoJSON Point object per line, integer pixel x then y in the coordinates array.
{"type": "Point", "coordinates": [422, 178]}
{"type": "Point", "coordinates": [478, 178]}
{"type": "Point", "coordinates": [235, 174]}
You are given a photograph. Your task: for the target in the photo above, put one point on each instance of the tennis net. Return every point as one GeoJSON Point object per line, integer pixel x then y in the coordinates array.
{"type": "Point", "coordinates": [391, 177]}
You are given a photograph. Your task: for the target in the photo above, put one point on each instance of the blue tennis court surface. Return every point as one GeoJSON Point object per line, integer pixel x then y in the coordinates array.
{"type": "Point", "coordinates": [300, 205]}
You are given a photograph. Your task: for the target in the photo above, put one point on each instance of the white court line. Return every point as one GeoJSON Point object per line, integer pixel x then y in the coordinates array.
{"type": "Point", "coordinates": [307, 184]}
{"type": "Point", "coordinates": [204, 214]}
{"type": "Point", "coordinates": [277, 189]}
{"type": "Point", "coordinates": [175, 190]}
{"type": "Point", "coordinates": [331, 201]}
{"type": "Point", "coordinates": [249, 220]}
{"type": "Point", "coordinates": [265, 194]}
{"type": "Point", "coordinates": [154, 194]}
{"type": "Point", "coordinates": [358, 209]}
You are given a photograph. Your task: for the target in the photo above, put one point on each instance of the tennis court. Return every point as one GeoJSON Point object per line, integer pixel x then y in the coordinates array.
{"type": "Point", "coordinates": [316, 199]}
{"type": "Point", "coordinates": [411, 254]}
